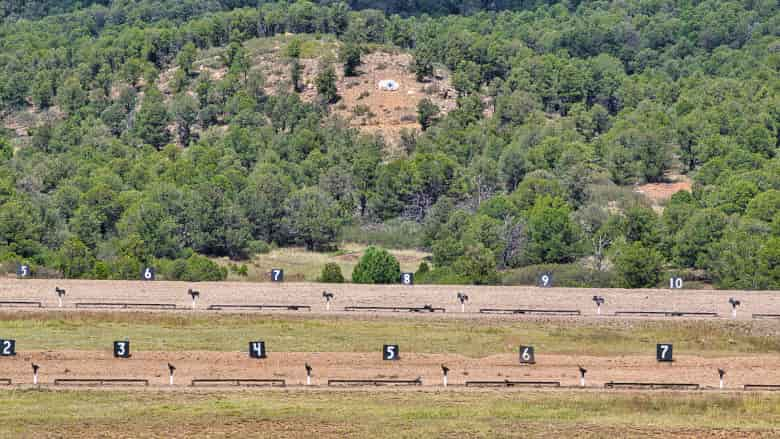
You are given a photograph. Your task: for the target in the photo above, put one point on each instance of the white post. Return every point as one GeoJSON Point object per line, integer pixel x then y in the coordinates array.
{"type": "Point", "coordinates": [35, 377]}
{"type": "Point", "coordinates": [171, 379]}
{"type": "Point", "coordinates": [327, 305]}
{"type": "Point", "coordinates": [598, 310]}
{"type": "Point", "coordinates": [308, 380]}
{"type": "Point", "coordinates": [59, 299]}
{"type": "Point", "coordinates": [582, 381]}
{"type": "Point", "coordinates": [444, 380]}
{"type": "Point", "coordinates": [733, 312]}
{"type": "Point", "coordinates": [721, 383]}
{"type": "Point", "coordinates": [462, 307]}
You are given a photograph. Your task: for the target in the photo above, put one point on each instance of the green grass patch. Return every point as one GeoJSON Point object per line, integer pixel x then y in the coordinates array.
{"type": "Point", "coordinates": [474, 338]}
{"type": "Point", "coordinates": [384, 414]}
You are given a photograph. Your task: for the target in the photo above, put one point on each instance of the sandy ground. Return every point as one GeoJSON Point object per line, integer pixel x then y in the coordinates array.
{"type": "Point", "coordinates": [742, 369]}
{"type": "Point", "coordinates": [375, 295]}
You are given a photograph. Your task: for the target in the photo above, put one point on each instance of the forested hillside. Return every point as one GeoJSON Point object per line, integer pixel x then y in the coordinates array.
{"type": "Point", "coordinates": [159, 133]}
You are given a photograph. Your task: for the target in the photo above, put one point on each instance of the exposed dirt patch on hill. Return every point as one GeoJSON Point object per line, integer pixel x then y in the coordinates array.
{"type": "Point", "coordinates": [660, 193]}
{"type": "Point", "coordinates": [362, 102]}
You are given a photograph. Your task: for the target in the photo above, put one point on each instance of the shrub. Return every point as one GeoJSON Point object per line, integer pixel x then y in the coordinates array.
{"type": "Point", "coordinates": [377, 266]}
{"type": "Point", "coordinates": [331, 273]}
{"type": "Point", "coordinates": [422, 269]}
{"type": "Point", "coordinates": [258, 247]}
{"type": "Point", "coordinates": [564, 275]}
{"type": "Point", "coordinates": [440, 276]}
{"type": "Point", "coordinates": [200, 268]}
{"type": "Point", "coordinates": [638, 266]}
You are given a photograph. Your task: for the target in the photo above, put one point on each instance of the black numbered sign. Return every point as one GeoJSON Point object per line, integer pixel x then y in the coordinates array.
{"type": "Point", "coordinates": [407, 278]}
{"type": "Point", "coordinates": [122, 349]}
{"type": "Point", "coordinates": [545, 280]}
{"type": "Point", "coordinates": [390, 352]}
{"type": "Point", "coordinates": [675, 283]}
{"type": "Point", "coordinates": [527, 355]}
{"type": "Point", "coordinates": [277, 275]}
{"type": "Point", "coordinates": [147, 274]}
{"type": "Point", "coordinates": [663, 352]}
{"type": "Point", "coordinates": [257, 349]}
{"type": "Point", "coordinates": [7, 348]}
{"type": "Point", "coordinates": [23, 270]}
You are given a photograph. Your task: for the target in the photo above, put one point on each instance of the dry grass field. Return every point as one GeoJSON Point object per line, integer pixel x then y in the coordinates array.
{"type": "Point", "coordinates": [395, 414]}
{"type": "Point", "coordinates": [74, 343]}
{"type": "Point", "coordinates": [301, 265]}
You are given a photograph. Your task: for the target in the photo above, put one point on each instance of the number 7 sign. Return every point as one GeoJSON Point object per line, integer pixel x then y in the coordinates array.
{"type": "Point", "coordinates": [663, 352]}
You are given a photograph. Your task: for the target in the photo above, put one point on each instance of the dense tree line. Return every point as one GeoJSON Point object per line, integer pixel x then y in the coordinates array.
{"type": "Point", "coordinates": [562, 107]}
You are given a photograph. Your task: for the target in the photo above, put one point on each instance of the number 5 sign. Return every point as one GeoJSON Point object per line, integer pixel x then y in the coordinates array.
{"type": "Point", "coordinates": [390, 352]}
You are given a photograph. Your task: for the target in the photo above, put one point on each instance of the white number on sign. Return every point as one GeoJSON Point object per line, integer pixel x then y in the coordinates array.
{"type": "Point", "coordinates": [148, 273]}
{"type": "Point", "coordinates": [277, 275]}
{"type": "Point", "coordinates": [675, 283]}
{"type": "Point", "coordinates": [390, 352]}
{"type": "Point", "coordinates": [122, 349]}
{"type": "Point", "coordinates": [24, 271]}
{"type": "Point", "coordinates": [8, 348]}
{"type": "Point", "coordinates": [257, 349]}
{"type": "Point", "coordinates": [527, 354]}
{"type": "Point", "coordinates": [663, 352]}
{"type": "Point", "coordinates": [407, 278]}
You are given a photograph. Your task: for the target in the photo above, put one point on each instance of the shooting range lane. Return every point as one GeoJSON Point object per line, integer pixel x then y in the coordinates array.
{"type": "Point", "coordinates": [290, 367]}
{"type": "Point", "coordinates": [165, 295]}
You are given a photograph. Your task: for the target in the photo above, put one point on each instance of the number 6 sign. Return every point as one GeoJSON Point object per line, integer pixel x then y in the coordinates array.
{"type": "Point", "coordinates": [147, 274]}
{"type": "Point", "coordinates": [527, 355]}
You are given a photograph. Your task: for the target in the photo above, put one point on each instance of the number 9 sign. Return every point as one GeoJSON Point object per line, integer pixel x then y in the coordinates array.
{"type": "Point", "coordinates": [545, 280]}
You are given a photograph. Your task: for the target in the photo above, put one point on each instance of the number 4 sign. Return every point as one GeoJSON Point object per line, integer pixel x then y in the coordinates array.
{"type": "Point", "coordinates": [257, 349]}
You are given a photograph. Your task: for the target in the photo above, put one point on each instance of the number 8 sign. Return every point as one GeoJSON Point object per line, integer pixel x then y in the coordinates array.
{"type": "Point", "coordinates": [407, 278]}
